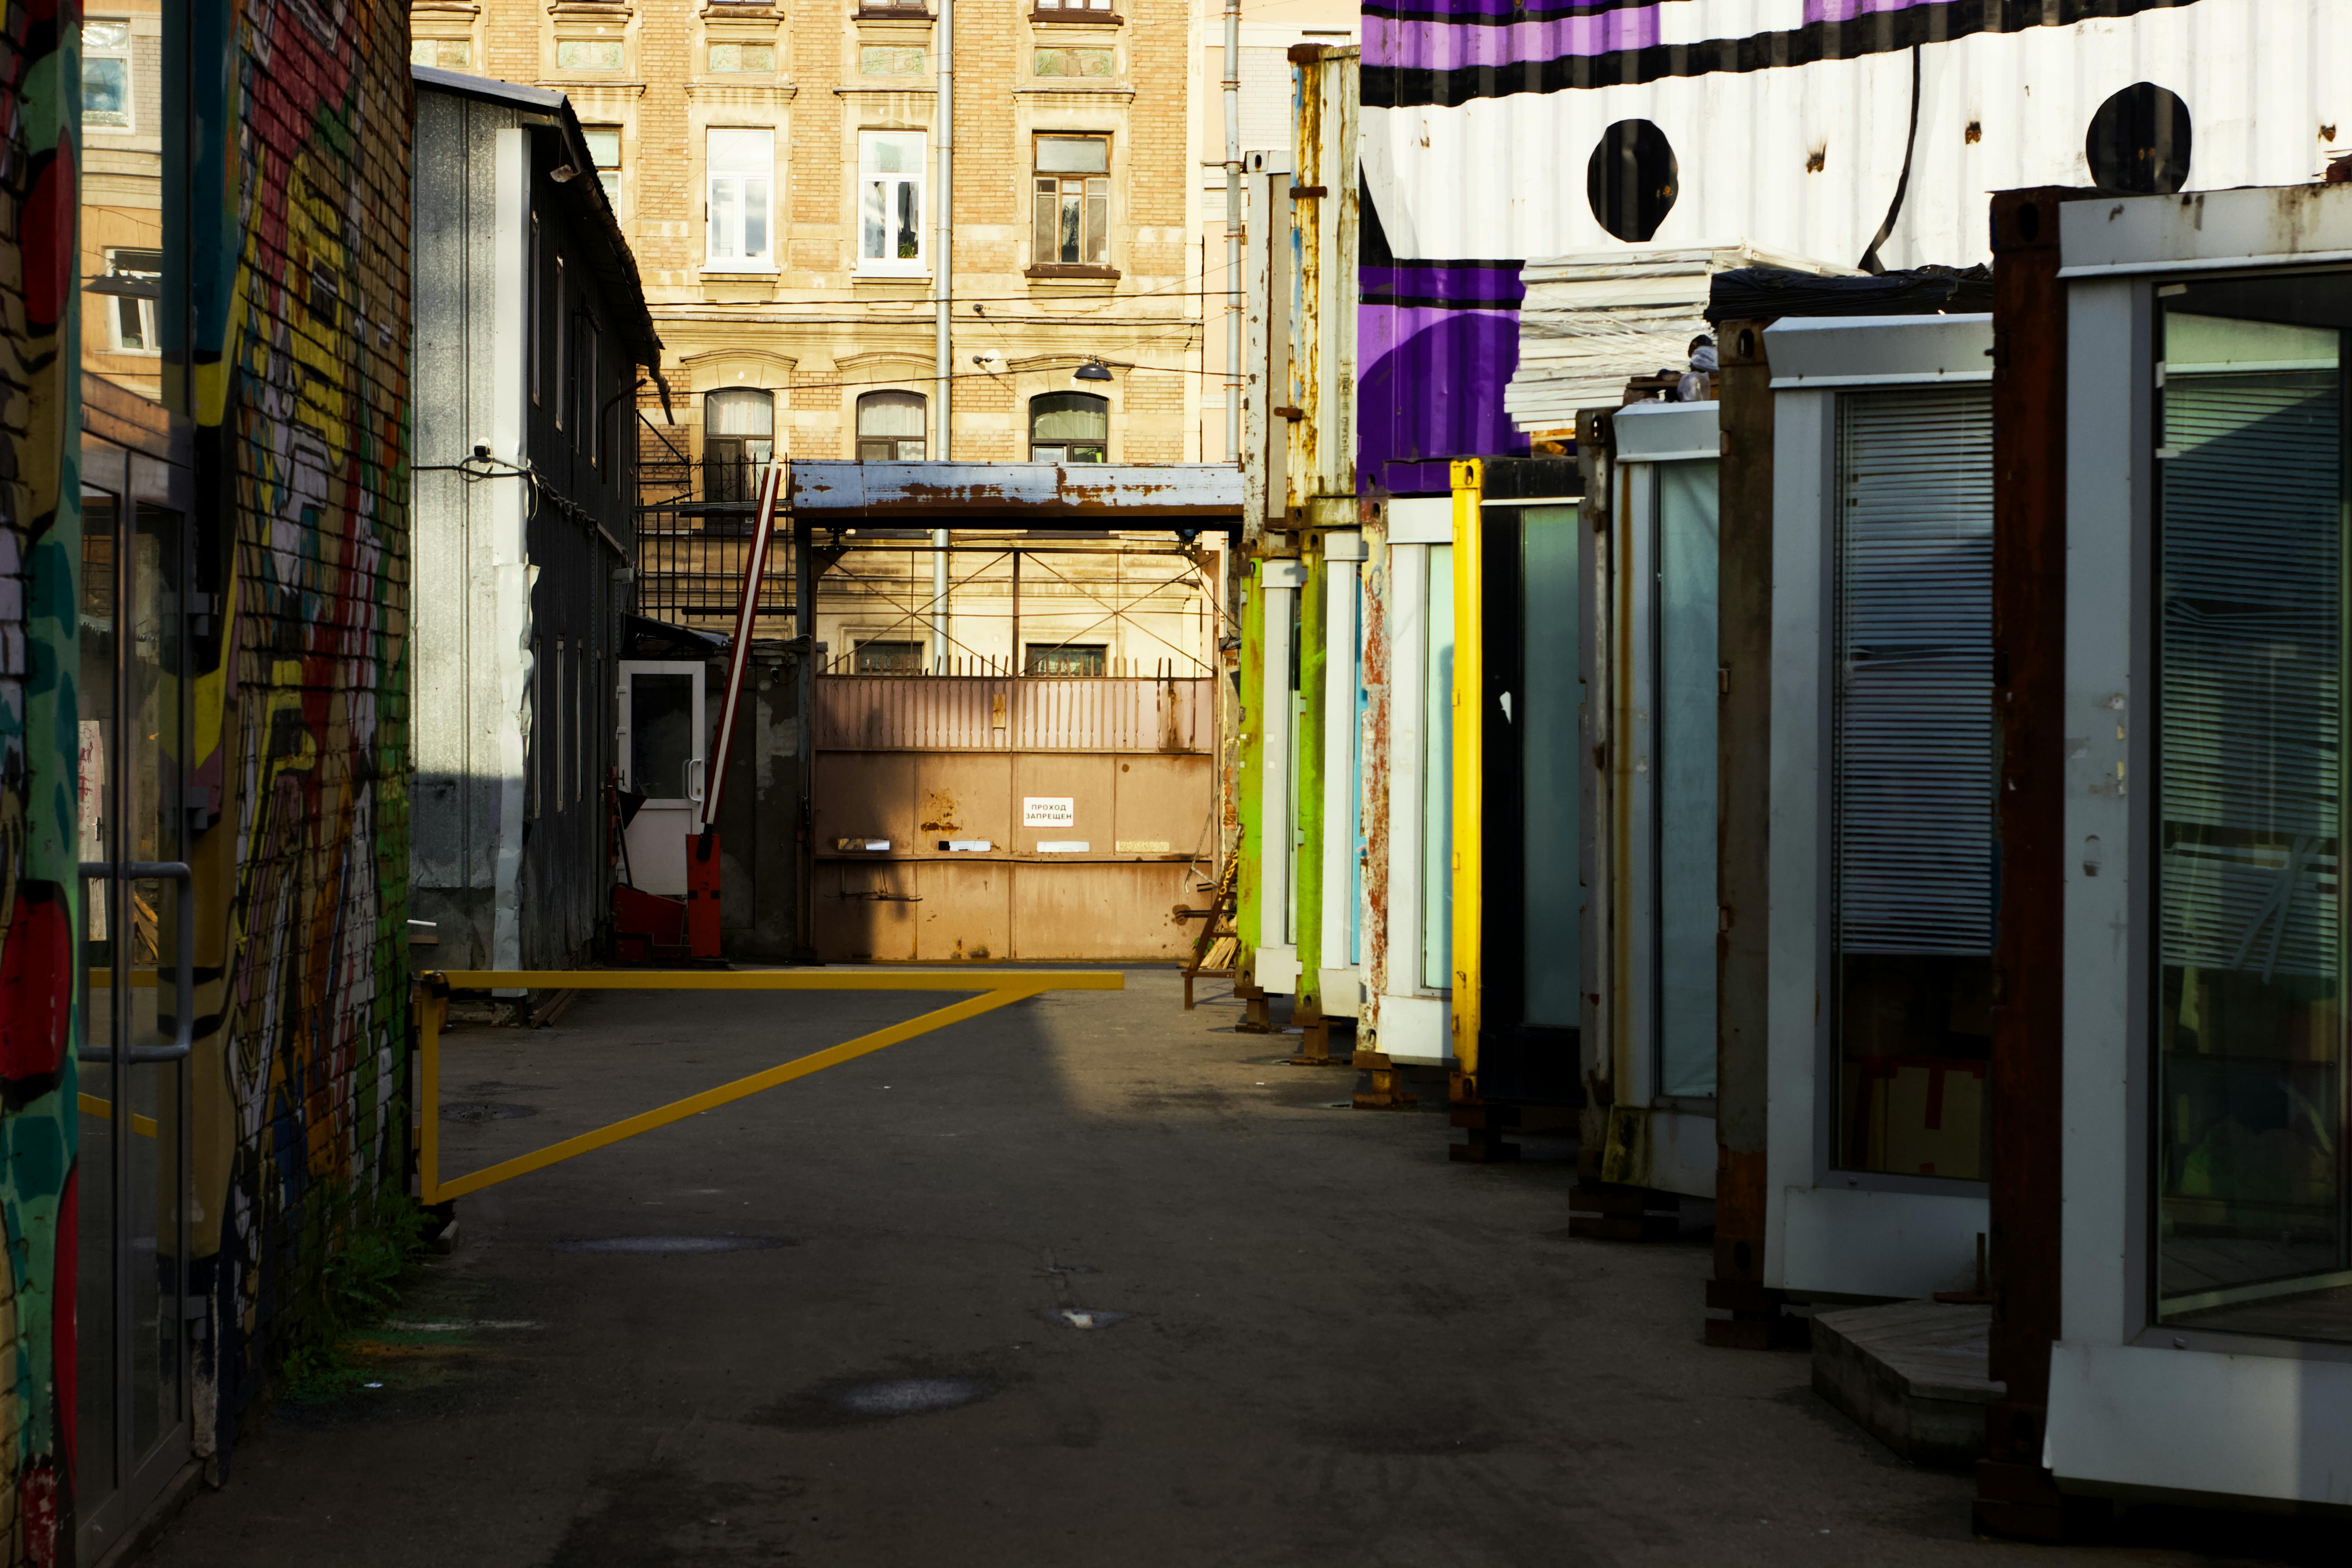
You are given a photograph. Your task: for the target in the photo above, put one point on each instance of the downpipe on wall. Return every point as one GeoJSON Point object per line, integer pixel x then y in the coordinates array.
{"type": "Point", "coordinates": [942, 347]}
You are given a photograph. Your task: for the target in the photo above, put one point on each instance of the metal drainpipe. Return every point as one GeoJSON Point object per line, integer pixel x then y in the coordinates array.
{"type": "Point", "coordinates": [1232, 230]}
{"type": "Point", "coordinates": [944, 268]}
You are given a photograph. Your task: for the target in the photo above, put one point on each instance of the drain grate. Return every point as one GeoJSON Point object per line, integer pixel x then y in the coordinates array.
{"type": "Point", "coordinates": [485, 1110]}
{"type": "Point", "coordinates": [675, 1243]}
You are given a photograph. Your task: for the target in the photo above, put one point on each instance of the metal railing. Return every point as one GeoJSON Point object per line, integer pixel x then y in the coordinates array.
{"type": "Point", "coordinates": [694, 532]}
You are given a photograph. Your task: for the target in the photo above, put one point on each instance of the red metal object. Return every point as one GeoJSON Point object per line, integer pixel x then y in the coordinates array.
{"type": "Point", "coordinates": [702, 894]}
{"type": "Point", "coordinates": [646, 926]}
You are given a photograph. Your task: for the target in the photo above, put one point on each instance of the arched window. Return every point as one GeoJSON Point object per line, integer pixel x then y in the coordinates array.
{"type": "Point", "coordinates": [890, 427]}
{"type": "Point", "coordinates": [738, 437]}
{"type": "Point", "coordinates": [1069, 428]}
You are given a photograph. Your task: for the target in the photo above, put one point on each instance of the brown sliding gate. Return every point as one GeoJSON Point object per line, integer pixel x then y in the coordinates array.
{"type": "Point", "coordinates": [1001, 817]}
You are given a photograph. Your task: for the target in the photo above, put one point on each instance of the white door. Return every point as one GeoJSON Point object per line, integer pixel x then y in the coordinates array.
{"type": "Point", "coordinates": [661, 750]}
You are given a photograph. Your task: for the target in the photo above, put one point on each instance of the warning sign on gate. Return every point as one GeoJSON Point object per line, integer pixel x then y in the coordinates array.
{"type": "Point", "coordinates": [1049, 811]}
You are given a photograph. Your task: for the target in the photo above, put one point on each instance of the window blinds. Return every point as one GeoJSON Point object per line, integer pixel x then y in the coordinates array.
{"type": "Point", "coordinates": [1913, 734]}
{"type": "Point", "coordinates": [2249, 791]}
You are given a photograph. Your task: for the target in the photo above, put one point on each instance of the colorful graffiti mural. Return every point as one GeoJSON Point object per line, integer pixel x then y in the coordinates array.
{"type": "Point", "coordinates": [39, 590]}
{"type": "Point", "coordinates": [299, 740]}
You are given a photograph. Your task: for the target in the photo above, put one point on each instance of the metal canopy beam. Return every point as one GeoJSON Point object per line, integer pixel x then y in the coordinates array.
{"type": "Point", "coordinates": [1025, 495]}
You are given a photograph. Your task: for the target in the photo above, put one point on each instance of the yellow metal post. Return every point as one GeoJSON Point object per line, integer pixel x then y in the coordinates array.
{"type": "Point", "coordinates": [1469, 765]}
{"type": "Point", "coordinates": [996, 989]}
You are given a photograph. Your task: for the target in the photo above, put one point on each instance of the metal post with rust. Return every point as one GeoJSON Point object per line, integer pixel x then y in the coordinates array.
{"type": "Point", "coordinates": [2015, 1496]}
{"type": "Point", "coordinates": [1743, 822]}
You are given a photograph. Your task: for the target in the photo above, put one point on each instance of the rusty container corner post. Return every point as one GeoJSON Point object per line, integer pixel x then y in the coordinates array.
{"type": "Point", "coordinates": [1743, 821]}
{"type": "Point", "coordinates": [2015, 1496]}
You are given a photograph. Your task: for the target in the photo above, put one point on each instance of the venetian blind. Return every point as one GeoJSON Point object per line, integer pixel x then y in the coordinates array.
{"type": "Point", "coordinates": [1914, 640]}
{"type": "Point", "coordinates": [2250, 540]}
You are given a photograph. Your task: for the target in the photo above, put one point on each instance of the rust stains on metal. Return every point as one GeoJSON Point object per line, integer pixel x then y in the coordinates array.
{"type": "Point", "coordinates": [1143, 492]}
{"type": "Point", "coordinates": [1373, 747]}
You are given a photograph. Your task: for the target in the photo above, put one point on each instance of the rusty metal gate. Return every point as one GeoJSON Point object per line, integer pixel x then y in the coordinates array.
{"type": "Point", "coordinates": [1001, 816]}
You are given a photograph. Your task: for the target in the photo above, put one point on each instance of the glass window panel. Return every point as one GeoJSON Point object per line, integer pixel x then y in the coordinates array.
{"type": "Point", "coordinates": [603, 144]}
{"type": "Point", "coordinates": [1912, 781]}
{"type": "Point", "coordinates": [735, 151]}
{"type": "Point", "coordinates": [897, 414]}
{"type": "Point", "coordinates": [105, 34]}
{"type": "Point", "coordinates": [1069, 416]}
{"type": "Point", "coordinates": [1065, 233]}
{"type": "Point", "coordinates": [1550, 706]}
{"type": "Point", "coordinates": [890, 59]}
{"type": "Point", "coordinates": [890, 152]}
{"type": "Point", "coordinates": [1437, 775]}
{"type": "Point", "coordinates": [755, 216]}
{"type": "Point", "coordinates": [1042, 243]}
{"type": "Point", "coordinates": [105, 91]}
{"type": "Point", "coordinates": [1688, 906]}
{"type": "Point", "coordinates": [2249, 1165]}
{"type": "Point", "coordinates": [1068, 658]}
{"type": "Point", "coordinates": [739, 412]}
{"type": "Point", "coordinates": [876, 657]}
{"type": "Point", "coordinates": [1097, 221]}
{"type": "Point", "coordinates": [661, 734]}
{"type": "Point", "coordinates": [1073, 155]}
{"type": "Point", "coordinates": [910, 225]}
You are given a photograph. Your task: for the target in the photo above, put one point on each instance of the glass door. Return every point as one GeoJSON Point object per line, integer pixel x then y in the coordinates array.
{"type": "Point", "coordinates": [132, 1309]}
{"type": "Point", "coordinates": [661, 752]}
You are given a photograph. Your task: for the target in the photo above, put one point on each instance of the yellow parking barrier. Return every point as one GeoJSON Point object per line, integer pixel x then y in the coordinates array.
{"type": "Point", "coordinates": [996, 988]}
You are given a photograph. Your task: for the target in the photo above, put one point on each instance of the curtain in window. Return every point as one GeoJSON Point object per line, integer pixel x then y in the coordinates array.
{"type": "Point", "coordinates": [890, 427]}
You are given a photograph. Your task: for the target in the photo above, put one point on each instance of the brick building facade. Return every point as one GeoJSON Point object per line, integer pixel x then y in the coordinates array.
{"type": "Point", "coordinates": [774, 168]}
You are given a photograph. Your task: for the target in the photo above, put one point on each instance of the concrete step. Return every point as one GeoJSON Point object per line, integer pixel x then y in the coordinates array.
{"type": "Point", "coordinates": [1911, 1374]}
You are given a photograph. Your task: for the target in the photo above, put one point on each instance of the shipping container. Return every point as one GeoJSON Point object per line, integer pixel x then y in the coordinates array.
{"type": "Point", "coordinates": [1859, 135]}
{"type": "Point", "coordinates": [2171, 1228]}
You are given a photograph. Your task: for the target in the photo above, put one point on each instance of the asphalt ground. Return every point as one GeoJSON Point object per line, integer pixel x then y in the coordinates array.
{"type": "Point", "coordinates": [1088, 1280]}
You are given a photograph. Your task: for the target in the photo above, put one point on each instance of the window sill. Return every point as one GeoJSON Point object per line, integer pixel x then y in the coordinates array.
{"type": "Point", "coordinates": [1062, 272]}
{"type": "Point", "coordinates": [1092, 19]}
{"type": "Point", "coordinates": [721, 274]}
{"type": "Point", "coordinates": [923, 277]}
{"type": "Point", "coordinates": [893, 14]}
{"type": "Point", "coordinates": [1033, 89]}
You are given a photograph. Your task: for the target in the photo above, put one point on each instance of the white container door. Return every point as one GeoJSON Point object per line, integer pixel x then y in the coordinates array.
{"type": "Point", "coordinates": [662, 742]}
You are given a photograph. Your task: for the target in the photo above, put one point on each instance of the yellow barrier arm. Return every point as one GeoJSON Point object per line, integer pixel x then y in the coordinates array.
{"type": "Point", "coordinates": [997, 989]}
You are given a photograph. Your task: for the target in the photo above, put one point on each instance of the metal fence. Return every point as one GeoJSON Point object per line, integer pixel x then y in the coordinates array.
{"type": "Point", "coordinates": [1005, 713]}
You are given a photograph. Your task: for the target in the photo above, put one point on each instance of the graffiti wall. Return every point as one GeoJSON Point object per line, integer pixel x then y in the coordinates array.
{"type": "Point", "coordinates": [298, 746]}
{"type": "Point", "coordinates": [39, 558]}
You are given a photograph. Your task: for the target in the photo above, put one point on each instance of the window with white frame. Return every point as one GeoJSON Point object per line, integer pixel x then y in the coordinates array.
{"type": "Point", "coordinates": [1067, 6]}
{"type": "Point", "coordinates": [106, 73]}
{"type": "Point", "coordinates": [604, 149]}
{"type": "Point", "coordinates": [1069, 427]}
{"type": "Point", "coordinates": [890, 427]}
{"type": "Point", "coordinates": [891, 201]}
{"type": "Point", "coordinates": [1073, 216]}
{"type": "Point", "coordinates": [739, 439]}
{"type": "Point", "coordinates": [134, 278]}
{"type": "Point", "coordinates": [741, 210]}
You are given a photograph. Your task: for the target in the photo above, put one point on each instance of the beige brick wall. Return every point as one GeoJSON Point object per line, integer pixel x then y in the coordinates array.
{"type": "Point", "coordinates": [811, 324]}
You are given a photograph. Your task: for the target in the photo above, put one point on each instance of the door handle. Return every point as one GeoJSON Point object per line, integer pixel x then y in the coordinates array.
{"type": "Point", "coordinates": [694, 779]}
{"type": "Point", "coordinates": [183, 959]}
